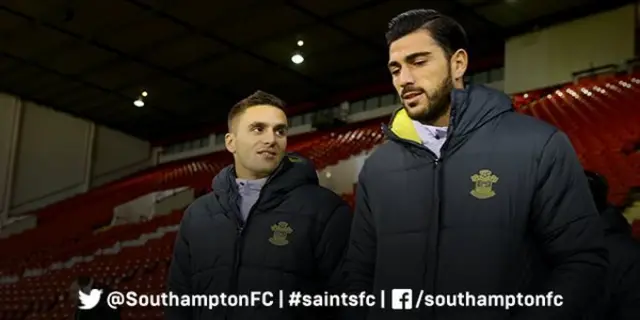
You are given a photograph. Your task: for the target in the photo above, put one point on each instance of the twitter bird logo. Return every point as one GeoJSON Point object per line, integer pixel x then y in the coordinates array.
{"type": "Point", "coordinates": [89, 301]}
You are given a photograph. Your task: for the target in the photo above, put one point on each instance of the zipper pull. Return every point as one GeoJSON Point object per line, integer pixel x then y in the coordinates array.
{"type": "Point", "coordinates": [240, 229]}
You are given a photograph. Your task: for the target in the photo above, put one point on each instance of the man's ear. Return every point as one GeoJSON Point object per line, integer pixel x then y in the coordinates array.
{"type": "Point", "coordinates": [230, 142]}
{"type": "Point", "coordinates": [459, 63]}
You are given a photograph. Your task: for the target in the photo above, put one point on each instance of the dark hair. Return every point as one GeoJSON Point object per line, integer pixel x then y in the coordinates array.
{"type": "Point", "coordinates": [447, 32]}
{"type": "Point", "coordinates": [255, 99]}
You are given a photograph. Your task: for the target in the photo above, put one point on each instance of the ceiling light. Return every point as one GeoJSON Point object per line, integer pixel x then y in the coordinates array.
{"type": "Point", "coordinates": [297, 58]}
{"type": "Point", "coordinates": [144, 93]}
{"type": "Point", "coordinates": [138, 103]}
{"type": "Point", "coordinates": [300, 43]}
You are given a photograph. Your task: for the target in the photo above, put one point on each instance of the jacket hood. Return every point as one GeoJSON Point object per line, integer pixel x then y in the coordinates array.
{"type": "Point", "coordinates": [292, 172]}
{"type": "Point", "coordinates": [471, 108]}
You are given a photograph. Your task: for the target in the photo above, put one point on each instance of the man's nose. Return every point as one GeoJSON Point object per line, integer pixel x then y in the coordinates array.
{"type": "Point", "coordinates": [269, 137]}
{"type": "Point", "coordinates": [405, 78]}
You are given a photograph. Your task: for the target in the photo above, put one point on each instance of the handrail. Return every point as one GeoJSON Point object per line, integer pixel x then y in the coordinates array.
{"type": "Point", "coordinates": [593, 71]}
{"type": "Point", "coordinates": [631, 63]}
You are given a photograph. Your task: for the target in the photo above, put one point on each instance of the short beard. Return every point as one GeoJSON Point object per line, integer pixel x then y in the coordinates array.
{"type": "Point", "coordinates": [438, 102]}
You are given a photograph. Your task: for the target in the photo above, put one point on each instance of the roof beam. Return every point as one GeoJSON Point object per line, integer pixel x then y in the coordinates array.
{"type": "Point", "coordinates": [276, 36]}
{"type": "Point", "coordinates": [151, 46]}
{"type": "Point", "coordinates": [165, 112]}
{"type": "Point", "coordinates": [107, 48]}
{"type": "Point", "coordinates": [468, 10]}
{"type": "Point", "coordinates": [213, 57]}
{"type": "Point", "coordinates": [196, 30]}
{"type": "Point", "coordinates": [101, 122]}
{"type": "Point", "coordinates": [329, 23]}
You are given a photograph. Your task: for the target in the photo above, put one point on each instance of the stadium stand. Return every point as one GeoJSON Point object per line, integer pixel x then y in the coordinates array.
{"type": "Point", "coordinates": [609, 105]}
{"type": "Point", "coordinates": [74, 236]}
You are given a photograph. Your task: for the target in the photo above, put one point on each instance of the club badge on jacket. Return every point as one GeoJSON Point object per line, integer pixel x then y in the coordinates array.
{"type": "Point", "coordinates": [281, 231]}
{"type": "Point", "coordinates": [483, 184]}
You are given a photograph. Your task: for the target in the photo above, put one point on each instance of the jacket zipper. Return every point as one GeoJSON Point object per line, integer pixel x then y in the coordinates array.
{"type": "Point", "coordinates": [233, 288]}
{"type": "Point", "coordinates": [434, 236]}
{"type": "Point", "coordinates": [434, 232]}
{"type": "Point", "coordinates": [242, 225]}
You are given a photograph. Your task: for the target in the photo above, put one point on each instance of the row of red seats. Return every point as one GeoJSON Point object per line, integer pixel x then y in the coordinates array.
{"type": "Point", "coordinates": [198, 174]}
{"type": "Point", "coordinates": [56, 232]}
{"type": "Point", "coordinates": [141, 269]}
{"type": "Point", "coordinates": [601, 119]}
{"type": "Point", "coordinates": [88, 245]}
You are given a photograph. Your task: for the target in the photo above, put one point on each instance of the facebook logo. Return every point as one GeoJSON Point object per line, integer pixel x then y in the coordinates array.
{"type": "Point", "coordinates": [401, 299]}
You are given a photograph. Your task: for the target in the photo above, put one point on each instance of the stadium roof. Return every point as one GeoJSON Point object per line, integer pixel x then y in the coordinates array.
{"type": "Point", "coordinates": [197, 58]}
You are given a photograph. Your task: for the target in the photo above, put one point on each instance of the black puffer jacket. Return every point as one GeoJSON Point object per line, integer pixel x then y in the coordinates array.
{"type": "Point", "coordinates": [506, 209]}
{"type": "Point", "coordinates": [621, 298]}
{"type": "Point", "coordinates": [215, 253]}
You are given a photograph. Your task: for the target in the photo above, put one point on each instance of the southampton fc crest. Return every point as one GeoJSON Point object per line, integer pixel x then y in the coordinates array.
{"type": "Point", "coordinates": [483, 184]}
{"type": "Point", "coordinates": [281, 231]}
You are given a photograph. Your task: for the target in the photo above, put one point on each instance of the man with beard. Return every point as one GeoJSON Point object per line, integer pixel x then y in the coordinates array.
{"type": "Point", "coordinates": [468, 195]}
{"type": "Point", "coordinates": [267, 225]}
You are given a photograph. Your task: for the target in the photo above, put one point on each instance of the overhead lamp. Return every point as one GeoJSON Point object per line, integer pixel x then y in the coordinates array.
{"type": "Point", "coordinates": [300, 43]}
{"type": "Point", "coordinates": [144, 93]}
{"type": "Point", "coordinates": [297, 58]}
{"type": "Point", "coordinates": [138, 103]}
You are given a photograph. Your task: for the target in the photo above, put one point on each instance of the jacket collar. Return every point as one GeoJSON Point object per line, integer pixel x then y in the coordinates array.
{"type": "Point", "coordinates": [402, 126]}
{"type": "Point", "coordinates": [471, 108]}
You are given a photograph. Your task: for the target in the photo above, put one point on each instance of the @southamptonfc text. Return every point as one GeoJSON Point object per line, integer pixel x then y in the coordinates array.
{"type": "Point", "coordinates": [116, 299]}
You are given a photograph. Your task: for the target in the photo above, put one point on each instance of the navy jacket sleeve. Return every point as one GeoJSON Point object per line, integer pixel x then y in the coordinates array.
{"type": "Point", "coordinates": [361, 253]}
{"type": "Point", "coordinates": [332, 245]}
{"type": "Point", "coordinates": [359, 266]}
{"type": "Point", "coordinates": [179, 278]}
{"type": "Point", "coordinates": [568, 230]}
{"type": "Point", "coordinates": [627, 301]}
